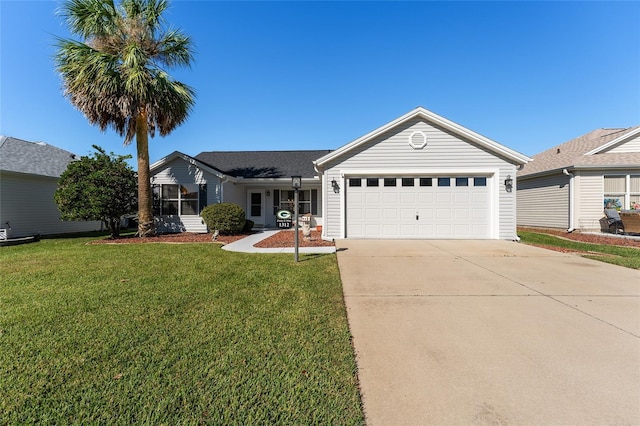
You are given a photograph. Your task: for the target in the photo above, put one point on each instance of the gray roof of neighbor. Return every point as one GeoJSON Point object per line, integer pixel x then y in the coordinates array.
{"type": "Point", "coordinates": [572, 153]}
{"type": "Point", "coordinates": [263, 164]}
{"type": "Point", "coordinates": [35, 158]}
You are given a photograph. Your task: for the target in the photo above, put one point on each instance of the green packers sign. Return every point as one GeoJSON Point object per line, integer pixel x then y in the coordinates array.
{"type": "Point", "coordinates": [283, 219]}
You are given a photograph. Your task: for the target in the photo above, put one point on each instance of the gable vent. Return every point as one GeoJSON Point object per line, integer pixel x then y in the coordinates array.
{"type": "Point", "coordinates": [418, 140]}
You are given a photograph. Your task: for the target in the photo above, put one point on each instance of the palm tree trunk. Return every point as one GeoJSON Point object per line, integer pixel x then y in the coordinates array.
{"type": "Point", "coordinates": [146, 226]}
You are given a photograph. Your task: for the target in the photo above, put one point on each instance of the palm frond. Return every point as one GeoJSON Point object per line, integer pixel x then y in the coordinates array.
{"type": "Point", "coordinates": [90, 18]}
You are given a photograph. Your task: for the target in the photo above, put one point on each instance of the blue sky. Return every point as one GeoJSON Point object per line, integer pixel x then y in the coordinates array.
{"type": "Point", "coordinates": [316, 75]}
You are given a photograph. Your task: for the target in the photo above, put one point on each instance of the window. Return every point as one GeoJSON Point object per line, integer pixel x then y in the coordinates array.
{"type": "Point", "coordinates": [373, 182]}
{"type": "Point", "coordinates": [389, 181]}
{"type": "Point", "coordinates": [425, 182]}
{"type": "Point", "coordinates": [445, 181]}
{"type": "Point", "coordinates": [408, 181]}
{"type": "Point", "coordinates": [480, 181]}
{"type": "Point", "coordinates": [256, 204]}
{"type": "Point", "coordinates": [462, 181]}
{"type": "Point", "coordinates": [622, 192]}
{"type": "Point", "coordinates": [287, 198]}
{"type": "Point", "coordinates": [355, 182]}
{"type": "Point", "coordinates": [175, 199]}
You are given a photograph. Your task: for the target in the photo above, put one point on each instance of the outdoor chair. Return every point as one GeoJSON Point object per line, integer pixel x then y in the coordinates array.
{"type": "Point", "coordinates": [613, 220]}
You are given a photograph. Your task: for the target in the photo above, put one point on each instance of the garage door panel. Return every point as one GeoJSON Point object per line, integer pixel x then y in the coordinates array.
{"type": "Point", "coordinates": [390, 230]}
{"type": "Point", "coordinates": [408, 198]}
{"type": "Point", "coordinates": [390, 198]}
{"type": "Point", "coordinates": [443, 214]}
{"type": "Point", "coordinates": [418, 211]}
{"type": "Point", "coordinates": [371, 213]}
{"type": "Point", "coordinates": [390, 214]}
{"type": "Point", "coordinates": [443, 198]}
{"type": "Point", "coordinates": [372, 197]}
{"type": "Point", "coordinates": [462, 198]}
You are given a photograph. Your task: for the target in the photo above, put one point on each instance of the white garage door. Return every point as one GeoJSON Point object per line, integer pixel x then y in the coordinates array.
{"type": "Point", "coordinates": [418, 207]}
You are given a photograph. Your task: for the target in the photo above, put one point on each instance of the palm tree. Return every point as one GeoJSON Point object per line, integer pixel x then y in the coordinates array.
{"type": "Point", "coordinates": [115, 76]}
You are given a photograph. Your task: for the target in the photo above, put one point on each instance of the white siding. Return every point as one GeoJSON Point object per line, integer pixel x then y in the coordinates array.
{"type": "Point", "coordinates": [180, 171]}
{"type": "Point", "coordinates": [589, 203]}
{"type": "Point", "coordinates": [544, 202]}
{"type": "Point", "coordinates": [443, 151]}
{"type": "Point", "coordinates": [632, 145]}
{"type": "Point", "coordinates": [234, 193]}
{"type": "Point", "coordinates": [26, 202]}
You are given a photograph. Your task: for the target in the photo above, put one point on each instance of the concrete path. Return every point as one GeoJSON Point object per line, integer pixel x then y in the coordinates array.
{"type": "Point", "coordinates": [245, 245]}
{"type": "Point", "coordinates": [491, 332]}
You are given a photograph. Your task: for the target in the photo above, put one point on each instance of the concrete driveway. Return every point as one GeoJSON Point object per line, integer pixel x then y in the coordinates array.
{"type": "Point", "coordinates": [491, 332]}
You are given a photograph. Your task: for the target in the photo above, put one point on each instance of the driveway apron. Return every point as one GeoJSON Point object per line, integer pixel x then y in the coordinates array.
{"type": "Point", "coordinates": [491, 332]}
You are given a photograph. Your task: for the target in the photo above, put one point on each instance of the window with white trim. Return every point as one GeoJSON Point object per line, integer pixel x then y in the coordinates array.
{"type": "Point", "coordinates": [622, 192]}
{"type": "Point", "coordinates": [305, 200]}
{"type": "Point", "coordinates": [176, 199]}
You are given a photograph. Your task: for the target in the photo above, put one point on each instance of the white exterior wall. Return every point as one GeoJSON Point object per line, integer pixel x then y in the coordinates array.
{"type": "Point", "coordinates": [443, 152]}
{"type": "Point", "coordinates": [544, 202]}
{"type": "Point", "coordinates": [236, 193]}
{"type": "Point", "coordinates": [179, 171]}
{"type": "Point", "coordinates": [26, 202]}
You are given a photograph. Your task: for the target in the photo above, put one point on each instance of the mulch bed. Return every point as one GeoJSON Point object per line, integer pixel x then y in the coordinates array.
{"type": "Point", "coordinates": [184, 237]}
{"type": "Point", "coordinates": [286, 239]}
{"type": "Point", "coordinates": [279, 240]}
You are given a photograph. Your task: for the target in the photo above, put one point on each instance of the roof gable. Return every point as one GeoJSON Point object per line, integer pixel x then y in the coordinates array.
{"type": "Point", "coordinates": [177, 154]}
{"type": "Point", "coordinates": [263, 164]}
{"type": "Point", "coordinates": [586, 151]}
{"type": "Point", "coordinates": [35, 158]}
{"type": "Point", "coordinates": [622, 139]}
{"type": "Point", "coordinates": [437, 120]}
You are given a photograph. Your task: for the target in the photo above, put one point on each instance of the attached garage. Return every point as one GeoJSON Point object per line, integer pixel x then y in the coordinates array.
{"type": "Point", "coordinates": [420, 176]}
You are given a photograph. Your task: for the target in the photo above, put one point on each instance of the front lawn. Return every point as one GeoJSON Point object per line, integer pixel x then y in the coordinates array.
{"type": "Point", "coordinates": [172, 334]}
{"type": "Point", "coordinates": [623, 256]}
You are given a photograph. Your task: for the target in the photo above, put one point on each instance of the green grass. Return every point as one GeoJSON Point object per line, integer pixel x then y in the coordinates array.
{"type": "Point", "coordinates": [623, 256]}
{"type": "Point", "coordinates": [172, 334]}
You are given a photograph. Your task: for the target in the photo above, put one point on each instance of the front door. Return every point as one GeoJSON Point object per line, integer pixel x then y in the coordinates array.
{"type": "Point", "coordinates": [255, 206]}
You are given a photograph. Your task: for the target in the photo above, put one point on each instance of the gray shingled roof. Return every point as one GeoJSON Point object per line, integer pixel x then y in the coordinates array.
{"type": "Point", "coordinates": [572, 153]}
{"type": "Point", "coordinates": [263, 164]}
{"type": "Point", "coordinates": [36, 158]}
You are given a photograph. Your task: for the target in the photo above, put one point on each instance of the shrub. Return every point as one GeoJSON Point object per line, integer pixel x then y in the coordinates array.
{"type": "Point", "coordinates": [227, 218]}
{"type": "Point", "coordinates": [248, 225]}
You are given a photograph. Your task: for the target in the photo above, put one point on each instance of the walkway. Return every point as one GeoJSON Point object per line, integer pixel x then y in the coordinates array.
{"type": "Point", "coordinates": [245, 245]}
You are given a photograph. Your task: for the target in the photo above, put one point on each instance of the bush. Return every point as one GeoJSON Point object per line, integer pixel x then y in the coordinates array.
{"type": "Point", "coordinates": [248, 225]}
{"type": "Point", "coordinates": [227, 218]}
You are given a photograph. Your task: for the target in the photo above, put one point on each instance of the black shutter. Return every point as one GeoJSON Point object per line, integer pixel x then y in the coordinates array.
{"type": "Point", "coordinates": [314, 202]}
{"type": "Point", "coordinates": [276, 200]}
{"type": "Point", "coordinates": [202, 197]}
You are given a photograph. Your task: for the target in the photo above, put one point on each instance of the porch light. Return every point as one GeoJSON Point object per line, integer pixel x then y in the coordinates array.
{"type": "Point", "coordinates": [335, 186]}
{"type": "Point", "coordinates": [296, 182]}
{"type": "Point", "coordinates": [508, 183]}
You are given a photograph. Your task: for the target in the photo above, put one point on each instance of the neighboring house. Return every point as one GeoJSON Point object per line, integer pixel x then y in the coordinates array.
{"type": "Point", "coordinates": [419, 176]}
{"type": "Point", "coordinates": [570, 185]}
{"type": "Point", "coordinates": [29, 173]}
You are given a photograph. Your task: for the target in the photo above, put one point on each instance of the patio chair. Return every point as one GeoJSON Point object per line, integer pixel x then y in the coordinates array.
{"type": "Point", "coordinates": [614, 220]}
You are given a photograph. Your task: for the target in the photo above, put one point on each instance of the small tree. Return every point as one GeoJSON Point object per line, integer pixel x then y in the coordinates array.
{"type": "Point", "coordinates": [98, 187]}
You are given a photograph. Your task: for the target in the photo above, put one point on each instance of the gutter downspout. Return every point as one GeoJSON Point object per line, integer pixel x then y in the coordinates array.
{"type": "Point", "coordinates": [571, 200]}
